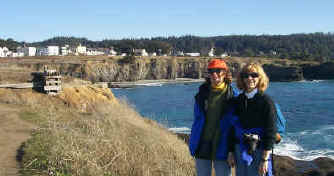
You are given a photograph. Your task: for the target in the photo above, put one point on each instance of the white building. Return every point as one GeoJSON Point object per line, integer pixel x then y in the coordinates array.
{"type": "Point", "coordinates": [179, 53]}
{"type": "Point", "coordinates": [49, 51]}
{"type": "Point", "coordinates": [211, 52]}
{"type": "Point", "coordinates": [112, 52]}
{"type": "Point", "coordinates": [94, 52]}
{"type": "Point", "coordinates": [140, 52]}
{"type": "Point", "coordinates": [42, 52]}
{"type": "Point", "coordinates": [223, 55]}
{"type": "Point", "coordinates": [153, 54]}
{"type": "Point", "coordinates": [175, 53]}
{"type": "Point", "coordinates": [27, 51]}
{"type": "Point", "coordinates": [192, 54]}
{"type": "Point", "coordinates": [65, 50]}
{"type": "Point", "coordinates": [4, 52]}
{"type": "Point", "coordinates": [53, 50]}
{"type": "Point", "coordinates": [81, 50]}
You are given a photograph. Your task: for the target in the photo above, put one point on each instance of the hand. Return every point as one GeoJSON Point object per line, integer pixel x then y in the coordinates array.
{"type": "Point", "coordinates": [230, 159]}
{"type": "Point", "coordinates": [263, 167]}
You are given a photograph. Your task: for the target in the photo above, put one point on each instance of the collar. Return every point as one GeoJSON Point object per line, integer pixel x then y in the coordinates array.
{"type": "Point", "coordinates": [251, 94]}
{"type": "Point", "coordinates": [221, 87]}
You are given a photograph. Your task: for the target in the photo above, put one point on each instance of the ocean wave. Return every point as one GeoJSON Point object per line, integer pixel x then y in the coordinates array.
{"type": "Point", "coordinates": [307, 145]}
{"type": "Point", "coordinates": [324, 131]}
{"type": "Point", "coordinates": [115, 88]}
{"type": "Point", "coordinates": [310, 81]}
{"type": "Point", "coordinates": [150, 84]}
{"type": "Point", "coordinates": [316, 81]}
{"type": "Point", "coordinates": [185, 130]}
{"type": "Point", "coordinates": [295, 151]}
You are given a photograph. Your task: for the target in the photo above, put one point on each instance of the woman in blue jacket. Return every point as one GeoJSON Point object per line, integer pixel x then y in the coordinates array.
{"type": "Point", "coordinates": [208, 138]}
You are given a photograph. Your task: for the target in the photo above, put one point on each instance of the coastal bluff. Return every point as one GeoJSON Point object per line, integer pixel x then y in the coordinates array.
{"type": "Point", "coordinates": [85, 130]}
{"type": "Point", "coordinates": [111, 69]}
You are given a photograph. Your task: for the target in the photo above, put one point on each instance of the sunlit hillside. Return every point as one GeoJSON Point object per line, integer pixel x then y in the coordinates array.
{"type": "Point", "coordinates": [86, 131]}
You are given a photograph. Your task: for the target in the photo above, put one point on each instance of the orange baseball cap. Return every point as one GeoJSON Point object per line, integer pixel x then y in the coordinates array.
{"type": "Point", "coordinates": [217, 63]}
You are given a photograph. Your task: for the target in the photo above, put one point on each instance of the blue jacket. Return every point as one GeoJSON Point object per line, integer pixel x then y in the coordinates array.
{"type": "Point", "coordinates": [198, 124]}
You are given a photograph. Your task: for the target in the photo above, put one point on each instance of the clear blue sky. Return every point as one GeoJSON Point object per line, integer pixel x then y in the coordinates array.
{"type": "Point", "coordinates": [38, 20]}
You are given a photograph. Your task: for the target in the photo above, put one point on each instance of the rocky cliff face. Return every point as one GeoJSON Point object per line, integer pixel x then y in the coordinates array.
{"type": "Point", "coordinates": [283, 73]}
{"type": "Point", "coordinates": [188, 68]}
{"type": "Point", "coordinates": [170, 68]}
{"type": "Point", "coordinates": [322, 71]}
{"type": "Point", "coordinates": [138, 69]}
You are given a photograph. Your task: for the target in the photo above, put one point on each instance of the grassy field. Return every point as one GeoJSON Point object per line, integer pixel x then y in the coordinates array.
{"type": "Point", "coordinates": [86, 131]}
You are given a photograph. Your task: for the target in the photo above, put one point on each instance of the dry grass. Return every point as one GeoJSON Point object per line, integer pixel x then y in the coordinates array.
{"type": "Point", "coordinates": [10, 77]}
{"type": "Point", "coordinates": [86, 131]}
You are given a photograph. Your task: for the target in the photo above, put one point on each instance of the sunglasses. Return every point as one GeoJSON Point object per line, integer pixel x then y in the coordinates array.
{"type": "Point", "coordinates": [246, 75]}
{"type": "Point", "coordinates": [215, 70]}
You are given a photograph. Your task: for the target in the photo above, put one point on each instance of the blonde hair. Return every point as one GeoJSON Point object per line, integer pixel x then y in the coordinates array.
{"type": "Point", "coordinates": [257, 68]}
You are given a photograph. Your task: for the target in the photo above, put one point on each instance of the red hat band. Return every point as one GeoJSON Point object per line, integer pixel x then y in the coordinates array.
{"type": "Point", "coordinates": [217, 63]}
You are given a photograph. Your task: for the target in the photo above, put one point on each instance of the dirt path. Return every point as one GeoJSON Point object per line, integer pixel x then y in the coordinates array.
{"type": "Point", "coordinates": [13, 132]}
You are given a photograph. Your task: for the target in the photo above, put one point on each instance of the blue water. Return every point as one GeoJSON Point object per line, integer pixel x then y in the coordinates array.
{"type": "Point", "coordinates": [307, 106]}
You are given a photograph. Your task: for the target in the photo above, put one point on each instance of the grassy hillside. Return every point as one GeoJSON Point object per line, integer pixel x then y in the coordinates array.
{"type": "Point", "coordinates": [87, 131]}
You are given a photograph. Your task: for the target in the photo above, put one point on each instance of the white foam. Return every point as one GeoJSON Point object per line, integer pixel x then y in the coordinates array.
{"type": "Point", "coordinates": [290, 148]}
{"type": "Point", "coordinates": [296, 150]}
{"type": "Point", "coordinates": [310, 81]}
{"type": "Point", "coordinates": [309, 132]}
{"type": "Point", "coordinates": [180, 130]}
{"type": "Point", "coordinates": [150, 84]}
{"type": "Point", "coordinates": [316, 81]}
{"type": "Point", "coordinates": [116, 88]}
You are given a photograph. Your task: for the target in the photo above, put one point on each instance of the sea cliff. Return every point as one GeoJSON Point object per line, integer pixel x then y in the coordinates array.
{"type": "Point", "coordinates": [133, 69]}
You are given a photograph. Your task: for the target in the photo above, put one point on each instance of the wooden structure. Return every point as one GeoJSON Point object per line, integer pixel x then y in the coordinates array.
{"type": "Point", "coordinates": [48, 81]}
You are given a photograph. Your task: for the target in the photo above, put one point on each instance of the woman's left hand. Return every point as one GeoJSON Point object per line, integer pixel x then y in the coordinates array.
{"type": "Point", "coordinates": [263, 167]}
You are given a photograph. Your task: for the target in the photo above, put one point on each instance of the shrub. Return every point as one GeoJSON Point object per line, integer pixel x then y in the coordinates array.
{"type": "Point", "coordinates": [127, 60]}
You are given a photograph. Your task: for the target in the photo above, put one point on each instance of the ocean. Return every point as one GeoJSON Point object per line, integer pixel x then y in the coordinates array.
{"type": "Point", "coordinates": [307, 106]}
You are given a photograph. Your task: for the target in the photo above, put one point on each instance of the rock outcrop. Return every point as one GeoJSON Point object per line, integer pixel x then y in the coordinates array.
{"type": "Point", "coordinates": [322, 71]}
{"type": "Point", "coordinates": [283, 73]}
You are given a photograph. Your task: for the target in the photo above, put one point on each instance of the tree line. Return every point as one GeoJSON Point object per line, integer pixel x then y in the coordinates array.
{"type": "Point", "coordinates": [314, 46]}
